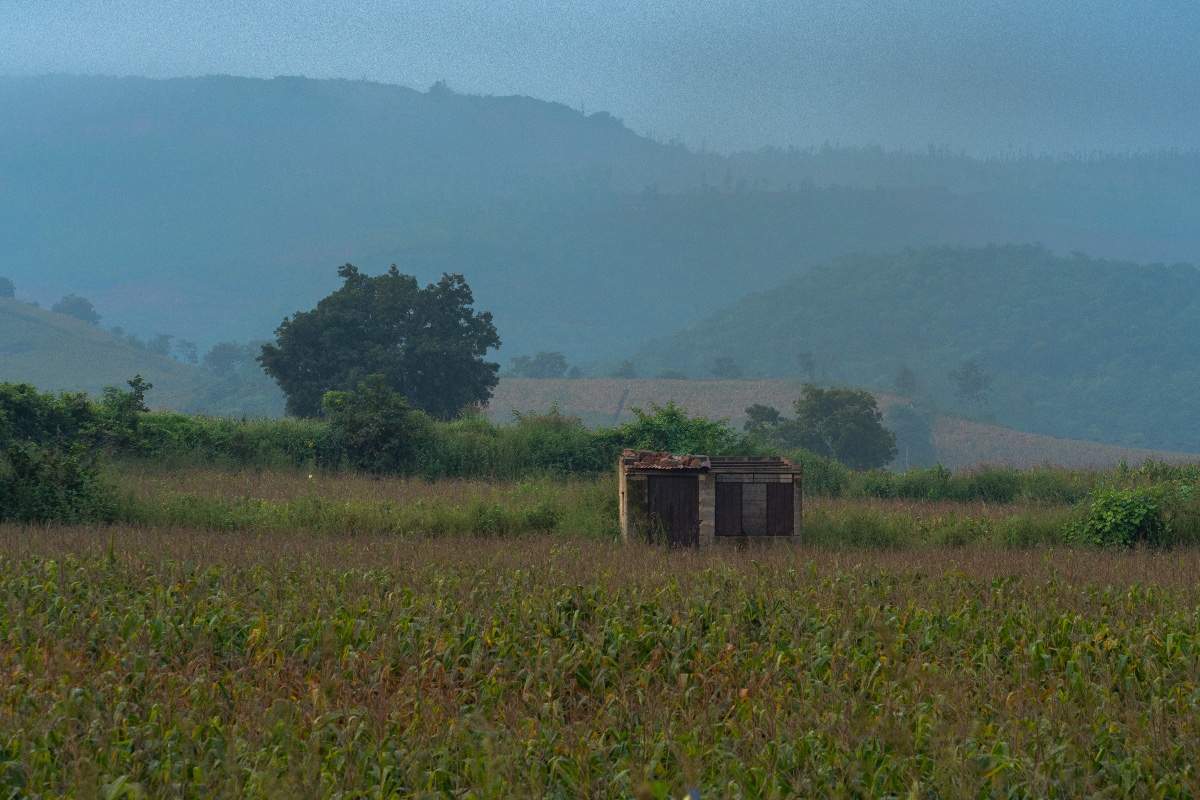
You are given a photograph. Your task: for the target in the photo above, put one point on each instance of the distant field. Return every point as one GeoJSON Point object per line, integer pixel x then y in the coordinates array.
{"type": "Point", "coordinates": [150, 663]}
{"type": "Point", "coordinates": [959, 443]}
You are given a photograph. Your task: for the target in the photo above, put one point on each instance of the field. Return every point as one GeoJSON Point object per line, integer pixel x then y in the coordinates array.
{"type": "Point", "coordinates": [959, 443]}
{"type": "Point", "coordinates": [185, 663]}
{"type": "Point", "coordinates": [266, 633]}
{"type": "Point", "coordinates": [287, 501]}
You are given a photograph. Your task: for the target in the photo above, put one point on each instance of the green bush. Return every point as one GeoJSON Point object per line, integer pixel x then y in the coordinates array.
{"type": "Point", "coordinates": [670, 428]}
{"type": "Point", "coordinates": [822, 477]}
{"type": "Point", "coordinates": [48, 448]}
{"type": "Point", "coordinates": [982, 484]}
{"type": "Point", "coordinates": [375, 429]}
{"type": "Point", "coordinates": [1121, 518]}
{"type": "Point", "coordinates": [51, 484]}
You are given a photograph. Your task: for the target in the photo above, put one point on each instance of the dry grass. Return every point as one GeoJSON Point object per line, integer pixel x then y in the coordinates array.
{"type": "Point", "coordinates": [147, 482]}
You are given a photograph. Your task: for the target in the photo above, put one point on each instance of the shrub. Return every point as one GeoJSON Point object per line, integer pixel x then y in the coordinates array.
{"type": "Point", "coordinates": [670, 428]}
{"type": "Point", "coordinates": [47, 458]}
{"type": "Point", "coordinates": [822, 477]}
{"type": "Point", "coordinates": [51, 484]}
{"type": "Point", "coordinates": [1121, 518]}
{"type": "Point", "coordinates": [375, 428]}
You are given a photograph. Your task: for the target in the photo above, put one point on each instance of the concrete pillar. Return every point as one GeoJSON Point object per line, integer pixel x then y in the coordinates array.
{"type": "Point", "coordinates": [708, 509]}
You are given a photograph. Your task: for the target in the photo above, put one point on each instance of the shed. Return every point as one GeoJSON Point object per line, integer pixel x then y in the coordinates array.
{"type": "Point", "coordinates": [697, 501]}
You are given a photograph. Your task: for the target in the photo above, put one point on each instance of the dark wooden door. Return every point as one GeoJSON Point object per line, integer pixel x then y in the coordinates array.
{"type": "Point", "coordinates": [674, 505]}
{"type": "Point", "coordinates": [729, 509]}
{"type": "Point", "coordinates": [780, 505]}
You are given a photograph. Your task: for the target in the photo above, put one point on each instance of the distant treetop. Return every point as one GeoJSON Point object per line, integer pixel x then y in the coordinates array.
{"type": "Point", "coordinates": [78, 307]}
{"type": "Point", "coordinates": [542, 365]}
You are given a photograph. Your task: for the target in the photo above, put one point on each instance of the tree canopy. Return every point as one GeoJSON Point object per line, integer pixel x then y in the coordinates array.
{"type": "Point", "coordinates": [78, 307]}
{"type": "Point", "coordinates": [427, 343]}
{"type": "Point", "coordinates": [542, 365]}
{"type": "Point", "coordinates": [843, 424]}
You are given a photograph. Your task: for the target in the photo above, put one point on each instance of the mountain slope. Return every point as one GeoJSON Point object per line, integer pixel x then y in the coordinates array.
{"type": "Point", "coordinates": [1076, 347]}
{"type": "Point", "coordinates": [210, 208]}
{"type": "Point", "coordinates": [55, 352]}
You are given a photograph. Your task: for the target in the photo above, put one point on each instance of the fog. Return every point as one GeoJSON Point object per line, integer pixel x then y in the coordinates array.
{"type": "Point", "coordinates": [986, 78]}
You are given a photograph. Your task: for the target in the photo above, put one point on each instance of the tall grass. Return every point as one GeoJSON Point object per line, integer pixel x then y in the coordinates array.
{"type": "Point", "coordinates": [289, 500]}
{"type": "Point", "coordinates": [320, 502]}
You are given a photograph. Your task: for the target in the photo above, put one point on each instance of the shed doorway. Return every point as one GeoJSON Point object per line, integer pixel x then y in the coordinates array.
{"type": "Point", "coordinates": [673, 503]}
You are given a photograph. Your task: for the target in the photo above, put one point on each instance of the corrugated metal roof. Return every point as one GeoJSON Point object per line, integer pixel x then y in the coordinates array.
{"type": "Point", "coordinates": [657, 460]}
{"type": "Point", "coordinates": [750, 461]}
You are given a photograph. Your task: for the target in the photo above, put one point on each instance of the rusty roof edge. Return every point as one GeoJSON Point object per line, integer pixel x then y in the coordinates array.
{"type": "Point", "coordinates": [661, 460]}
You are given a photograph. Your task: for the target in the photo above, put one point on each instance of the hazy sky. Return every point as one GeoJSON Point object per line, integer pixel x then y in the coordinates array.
{"type": "Point", "coordinates": [981, 75]}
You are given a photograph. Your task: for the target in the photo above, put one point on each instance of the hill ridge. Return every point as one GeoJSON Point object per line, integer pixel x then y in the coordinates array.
{"type": "Point", "coordinates": [211, 208]}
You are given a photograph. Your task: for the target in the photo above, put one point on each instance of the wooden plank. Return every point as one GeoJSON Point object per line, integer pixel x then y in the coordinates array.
{"type": "Point", "coordinates": [754, 509]}
{"type": "Point", "coordinates": [674, 504]}
{"type": "Point", "coordinates": [729, 509]}
{"type": "Point", "coordinates": [780, 519]}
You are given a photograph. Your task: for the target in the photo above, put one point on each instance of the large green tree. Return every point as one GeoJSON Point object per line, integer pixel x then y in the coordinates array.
{"type": "Point", "coordinates": [844, 424]}
{"type": "Point", "coordinates": [428, 343]}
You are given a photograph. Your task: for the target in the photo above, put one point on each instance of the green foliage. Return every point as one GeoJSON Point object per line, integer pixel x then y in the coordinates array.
{"type": "Point", "coordinates": [375, 429]}
{"type": "Point", "coordinates": [226, 358]}
{"type": "Point", "coordinates": [1044, 485]}
{"type": "Point", "coordinates": [406, 507]}
{"type": "Point", "coordinates": [428, 343]}
{"type": "Point", "coordinates": [1121, 518]}
{"type": "Point", "coordinates": [842, 424]}
{"type": "Point", "coordinates": [184, 439]}
{"type": "Point", "coordinates": [52, 484]}
{"type": "Point", "coordinates": [119, 415]}
{"type": "Point", "coordinates": [669, 428]}
{"type": "Point", "coordinates": [48, 449]}
{"type": "Point", "coordinates": [1010, 329]}
{"type": "Point", "coordinates": [823, 477]}
{"type": "Point", "coordinates": [43, 418]}
{"type": "Point", "coordinates": [762, 420]}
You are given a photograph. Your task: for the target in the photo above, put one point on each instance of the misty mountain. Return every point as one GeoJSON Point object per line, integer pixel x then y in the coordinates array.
{"type": "Point", "coordinates": [210, 208]}
{"type": "Point", "coordinates": [1074, 347]}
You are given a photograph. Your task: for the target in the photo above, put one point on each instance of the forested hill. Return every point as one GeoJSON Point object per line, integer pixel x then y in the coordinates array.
{"type": "Point", "coordinates": [1074, 347]}
{"type": "Point", "coordinates": [209, 208]}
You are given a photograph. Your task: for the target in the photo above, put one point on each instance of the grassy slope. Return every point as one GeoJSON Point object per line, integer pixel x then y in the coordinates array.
{"type": "Point", "coordinates": [58, 353]}
{"type": "Point", "coordinates": [959, 442]}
